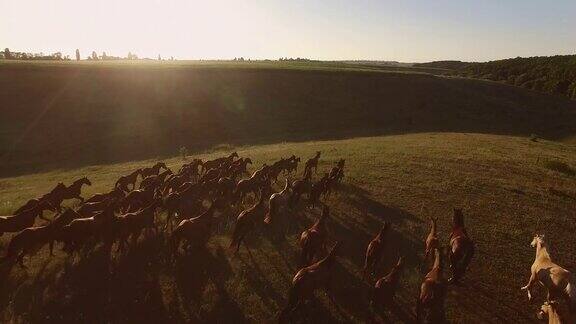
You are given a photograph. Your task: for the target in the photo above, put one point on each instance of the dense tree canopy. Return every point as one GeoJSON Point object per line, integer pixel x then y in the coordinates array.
{"type": "Point", "coordinates": [552, 74]}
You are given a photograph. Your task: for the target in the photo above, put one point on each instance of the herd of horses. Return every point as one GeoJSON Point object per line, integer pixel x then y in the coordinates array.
{"type": "Point", "coordinates": [195, 199]}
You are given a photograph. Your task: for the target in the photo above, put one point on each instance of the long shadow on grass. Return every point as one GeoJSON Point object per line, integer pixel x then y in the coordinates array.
{"type": "Point", "coordinates": [194, 271]}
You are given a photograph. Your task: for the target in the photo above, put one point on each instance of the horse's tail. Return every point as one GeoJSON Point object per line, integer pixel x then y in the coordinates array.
{"type": "Point", "coordinates": [570, 291]}
{"type": "Point", "coordinates": [272, 211]}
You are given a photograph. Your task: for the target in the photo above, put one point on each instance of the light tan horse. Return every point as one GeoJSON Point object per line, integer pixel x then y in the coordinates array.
{"type": "Point", "coordinates": [558, 281]}
{"type": "Point", "coordinates": [552, 311]}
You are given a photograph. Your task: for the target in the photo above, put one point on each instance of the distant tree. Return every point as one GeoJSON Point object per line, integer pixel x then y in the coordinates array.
{"type": "Point", "coordinates": [57, 56]}
{"type": "Point", "coordinates": [77, 55]}
{"type": "Point", "coordinates": [159, 58]}
{"type": "Point", "coordinates": [104, 56]}
{"type": "Point", "coordinates": [94, 55]}
{"type": "Point", "coordinates": [171, 58]}
{"type": "Point", "coordinates": [7, 54]}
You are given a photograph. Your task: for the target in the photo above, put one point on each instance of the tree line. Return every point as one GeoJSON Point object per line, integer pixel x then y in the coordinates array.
{"type": "Point", "coordinates": [7, 54]}
{"type": "Point", "coordinates": [548, 74]}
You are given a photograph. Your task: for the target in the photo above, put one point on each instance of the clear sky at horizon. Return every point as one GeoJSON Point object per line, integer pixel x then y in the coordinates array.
{"type": "Point", "coordinates": [407, 31]}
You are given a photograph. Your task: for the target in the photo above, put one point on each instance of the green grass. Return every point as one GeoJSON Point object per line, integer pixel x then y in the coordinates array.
{"type": "Point", "coordinates": [502, 183]}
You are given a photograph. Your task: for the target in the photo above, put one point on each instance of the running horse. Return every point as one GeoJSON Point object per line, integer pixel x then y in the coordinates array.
{"type": "Point", "coordinates": [153, 170]}
{"type": "Point", "coordinates": [75, 189]}
{"type": "Point", "coordinates": [461, 247]}
{"type": "Point", "coordinates": [126, 180]}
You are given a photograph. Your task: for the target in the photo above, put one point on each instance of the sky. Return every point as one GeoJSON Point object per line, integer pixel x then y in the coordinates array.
{"type": "Point", "coordinates": [406, 31]}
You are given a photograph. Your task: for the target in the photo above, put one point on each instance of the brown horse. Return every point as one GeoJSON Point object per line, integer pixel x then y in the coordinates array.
{"type": "Point", "coordinates": [130, 179]}
{"type": "Point", "coordinates": [83, 230]}
{"type": "Point", "coordinates": [195, 231]}
{"type": "Point", "coordinates": [385, 288]}
{"type": "Point", "coordinates": [32, 239]}
{"type": "Point", "coordinates": [214, 164]}
{"type": "Point", "coordinates": [300, 187]}
{"type": "Point", "coordinates": [154, 182]}
{"type": "Point", "coordinates": [307, 280]}
{"type": "Point", "coordinates": [75, 189]}
{"type": "Point", "coordinates": [22, 220]}
{"type": "Point", "coordinates": [153, 170]}
{"type": "Point", "coordinates": [132, 224]}
{"type": "Point", "coordinates": [277, 202]}
{"type": "Point", "coordinates": [51, 199]}
{"type": "Point", "coordinates": [115, 193]}
{"type": "Point", "coordinates": [430, 303]}
{"type": "Point", "coordinates": [246, 221]}
{"type": "Point", "coordinates": [313, 240]}
{"type": "Point", "coordinates": [374, 251]}
{"type": "Point", "coordinates": [312, 163]}
{"type": "Point", "coordinates": [461, 247]}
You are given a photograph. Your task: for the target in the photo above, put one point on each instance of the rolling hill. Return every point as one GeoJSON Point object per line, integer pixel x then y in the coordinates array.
{"type": "Point", "coordinates": [71, 115]}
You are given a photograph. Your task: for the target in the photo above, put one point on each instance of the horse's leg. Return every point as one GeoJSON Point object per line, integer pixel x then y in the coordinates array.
{"type": "Point", "coordinates": [21, 259]}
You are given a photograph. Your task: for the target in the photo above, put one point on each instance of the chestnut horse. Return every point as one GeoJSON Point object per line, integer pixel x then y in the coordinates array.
{"type": "Point", "coordinates": [307, 280]}
{"type": "Point", "coordinates": [461, 247]}
{"type": "Point", "coordinates": [430, 303]}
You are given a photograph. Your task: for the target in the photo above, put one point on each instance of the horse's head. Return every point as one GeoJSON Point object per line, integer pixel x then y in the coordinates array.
{"type": "Point", "coordinates": [538, 239]}
{"type": "Point", "coordinates": [546, 309]}
{"type": "Point", "coordinates": [234, 155]}
{"type": "Point", "coordinates": [317, 154]}
{"type": "Point", "coordinates": [247, 161]}
{"type": "Point", "coordinates": [86, 181]}
{"type": "Point", "coordinates": [458, 218]}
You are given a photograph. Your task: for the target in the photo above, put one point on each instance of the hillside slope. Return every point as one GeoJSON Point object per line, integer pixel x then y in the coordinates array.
{"type": "Point", "coordinates": [60, 116]}
{"type": "Point", "coordinates": [501, 182]}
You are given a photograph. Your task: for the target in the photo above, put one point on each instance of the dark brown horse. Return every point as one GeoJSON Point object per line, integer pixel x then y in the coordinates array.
{"type": "Point", "coordinates": [75, 189]}
{"type": "Point", "coordinates": [246, 222]}
{"type": "Point", "coordinates": [214, 164]}
{"type": "Point", "coordinates": [130, 179]}
{"type": "Point", "coordinates": [22, 220]}
{"type": "Point", "coordinates": [461, 247]}
{"type": "Point", "coordinates": [32, 239]}
{"type": "Point", "coordinates": [115, 193]}
{"type": "Point", "coordinates": [132, 224]}
{"type": "Point", "coordinates": [153, 170]}
{"type": "Point", "coordinates": [312, 163]}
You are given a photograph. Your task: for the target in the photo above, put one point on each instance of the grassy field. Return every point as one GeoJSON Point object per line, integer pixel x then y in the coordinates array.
{"type": "Point", "coordinates": [69, 115]}
{"type": "Point", "coordinates": [504, 184]}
